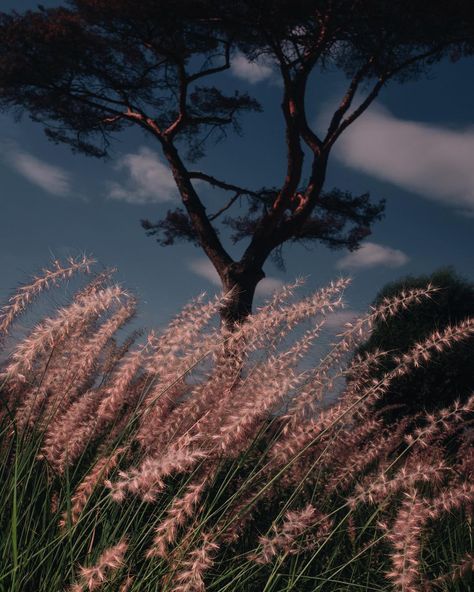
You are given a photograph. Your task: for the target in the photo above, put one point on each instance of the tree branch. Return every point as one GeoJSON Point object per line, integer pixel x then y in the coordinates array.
{"type": "Point", "coordinates": [295, 155]}
{"type": "Point", "coordinates": [210, 120]}
{"type": "Point", "coordinates": [330, 139]}
{"type": "Point", "coordinates": [173, 129]}
{"type": "Point", "coordinates": [215, 70]}
{"type": "Point", "coordinates": [217, 183]}
{"type": "Point", "coordinates": [184, 82]}
{"type": "Point", "coordinates": [206, 233]}
{"type": "Point", "coordinates": [147, 122]}
{"type": "Point", "coordinates": [226, 207]}
{"type": "Point", "coordinates": [348, 98]}
{"type": "Point", "coordinates": [307, 201]}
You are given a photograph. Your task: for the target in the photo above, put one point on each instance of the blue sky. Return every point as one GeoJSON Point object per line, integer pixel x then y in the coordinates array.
{"type": "Point", "coordinates": [414, 147]}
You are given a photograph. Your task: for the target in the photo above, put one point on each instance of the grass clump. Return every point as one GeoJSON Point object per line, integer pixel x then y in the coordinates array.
{"type": "Point", "coordinates": [201, 458]}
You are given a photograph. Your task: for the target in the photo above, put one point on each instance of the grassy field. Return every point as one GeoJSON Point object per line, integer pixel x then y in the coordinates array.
{"type": "Point", "coordinates": [199, 459]}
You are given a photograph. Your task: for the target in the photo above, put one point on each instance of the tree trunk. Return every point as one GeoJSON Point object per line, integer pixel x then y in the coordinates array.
{"type": "Point", "coordinates": [242, 281]}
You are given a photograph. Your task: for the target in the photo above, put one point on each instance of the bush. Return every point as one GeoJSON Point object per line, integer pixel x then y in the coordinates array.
{"type": "Point", "coordinates": [198, 459]}
{"type": "Point", "coordinates": [448, 376]}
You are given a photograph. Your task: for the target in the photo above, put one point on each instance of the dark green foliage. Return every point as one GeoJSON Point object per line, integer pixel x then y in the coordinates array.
{"type": "Point", "coordinates": [448, 376]}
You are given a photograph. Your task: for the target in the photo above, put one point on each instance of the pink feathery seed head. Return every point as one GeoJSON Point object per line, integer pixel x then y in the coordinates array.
{"type": "Point", "coordinates": [404, 537]}
{"type": "Point", "coordinates": [154, 420]}
{"type": "Point", "coordinates": [190, 577]}
{"type": "Point", "coordinates": [300, 435]}
{"type": "Point", "coordinates": [407, 362]}
{"type": "Point", "coordinates": [360, 328]}
{"type": "Point", "coordinates": [85, 489]}
{"type": "Point", "coordinates": [268, 383]}
{"type": "Point", "coordinates": [361, 368]}
{"type": "Point", "coordinates": [465, 455]}
{"type": "Point", "coordinates": [126, 584]}
{"type": "Point", "coordinates": [381, 486]}
{"type": "Point", "coordinates": [98, 282]}
{"type": "Point", "coordinates": [323, 376]}
{"type": "Point", "coordinates": [171, 371]}
{"type": "Point", "coordinates": [114, 434]}
{"type": "Point", "coordinates": [48, 277]}
{"type": "Point", "coordinates": [452, 498]}
{"type": "Point", "coordinates": [69, 434]}
{"type": "Point", "coordinates": [207, 401]}
{"type": "Point", "coordinates": [85, 361]}
{"type": "Point", "coordinates": [244, 413]}
{"type": "Point", "coordinates": [282, 294]}
{"type": "Point", "coordinates": [351, 455]}
{"type": "Point", "coordinates": [191, 413]}
{"type": "Point", "coordinates": [117, 352]}
{"type": "Point", "coordinates": [438, 341]}
{"type": "Point", "coordinates": [184, 330]}
{"type": "Point", "coordinates": [110, 561]}
{"type": "Point", "coordinates": [59, 365]}
{"type": "Point", "coordinates": [181, 509]}
{"type": "Point", "coordinates": [31, 408]}
{"type": "Point", "coordinates": [107, 329]}
{"type": "Point", "coordinates": [118, 492]}
{"type": "Point", "coordinates": [443, 422]}
{"type": "Point", "coordinates": [118, 390]}
{"type": "Point", "coordinates": [148, 479]}
{"type": "Point", "coordinates": [276, 319]}
{"type": "Point", "coordinates": [53, 330]}
{"type": "Point", "coordinates": [287, 538]}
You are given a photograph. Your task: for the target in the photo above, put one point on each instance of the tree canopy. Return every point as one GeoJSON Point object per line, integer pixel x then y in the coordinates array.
{"type": "Point", "coordinates": [90, 69]}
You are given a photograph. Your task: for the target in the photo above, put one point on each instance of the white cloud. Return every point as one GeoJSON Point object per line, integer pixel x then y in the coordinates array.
{"type": "Point", "coordinates": [372, 255]}
{"type": "Point", "coordinates": [149, 179]}
{"type": "Point", "coordinates": [253, 72]}
{"type": "Point", "coordinates": [51, 179]}
{"type": "Point", "coordinates": [433, 161]}
{"type": "Point", "coordinates": [205, 269]}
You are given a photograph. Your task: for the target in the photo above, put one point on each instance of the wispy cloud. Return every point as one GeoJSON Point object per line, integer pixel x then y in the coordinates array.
{"type": "Point", "coordinates": [52, 179]}
{"type": "Point", "coordinates": [372, 255]}
{"type": "Point", "coordinates": [433, 161]}
{"type": "Point", "coordinates": [253, 72]}
{"type": "Point", "coordinates": [204, 268]}
{"type": "Point", "coordinates": [149, 180]}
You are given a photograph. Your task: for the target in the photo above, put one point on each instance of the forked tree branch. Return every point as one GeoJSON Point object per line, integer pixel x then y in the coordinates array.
{"type": "Point", "coordinates": [214, 70]}
{"type": "Point", "coordinates": [173, 129]}
{"type": "Point", "coordinates": [332, 137]}
{"type": "Point", "coordinates": [346, 102]}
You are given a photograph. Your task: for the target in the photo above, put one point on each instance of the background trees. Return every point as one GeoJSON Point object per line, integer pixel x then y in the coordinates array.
{"type": "Point", "coordinates": [89, 70]}
{"type": "Point", "coordinates": [445, 378]}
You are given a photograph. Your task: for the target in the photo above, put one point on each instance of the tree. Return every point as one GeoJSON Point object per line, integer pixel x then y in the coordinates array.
{"type": "Point", "coordinates": [447, 376]}
{"type": "Point", "coordinates": [89, 70]}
